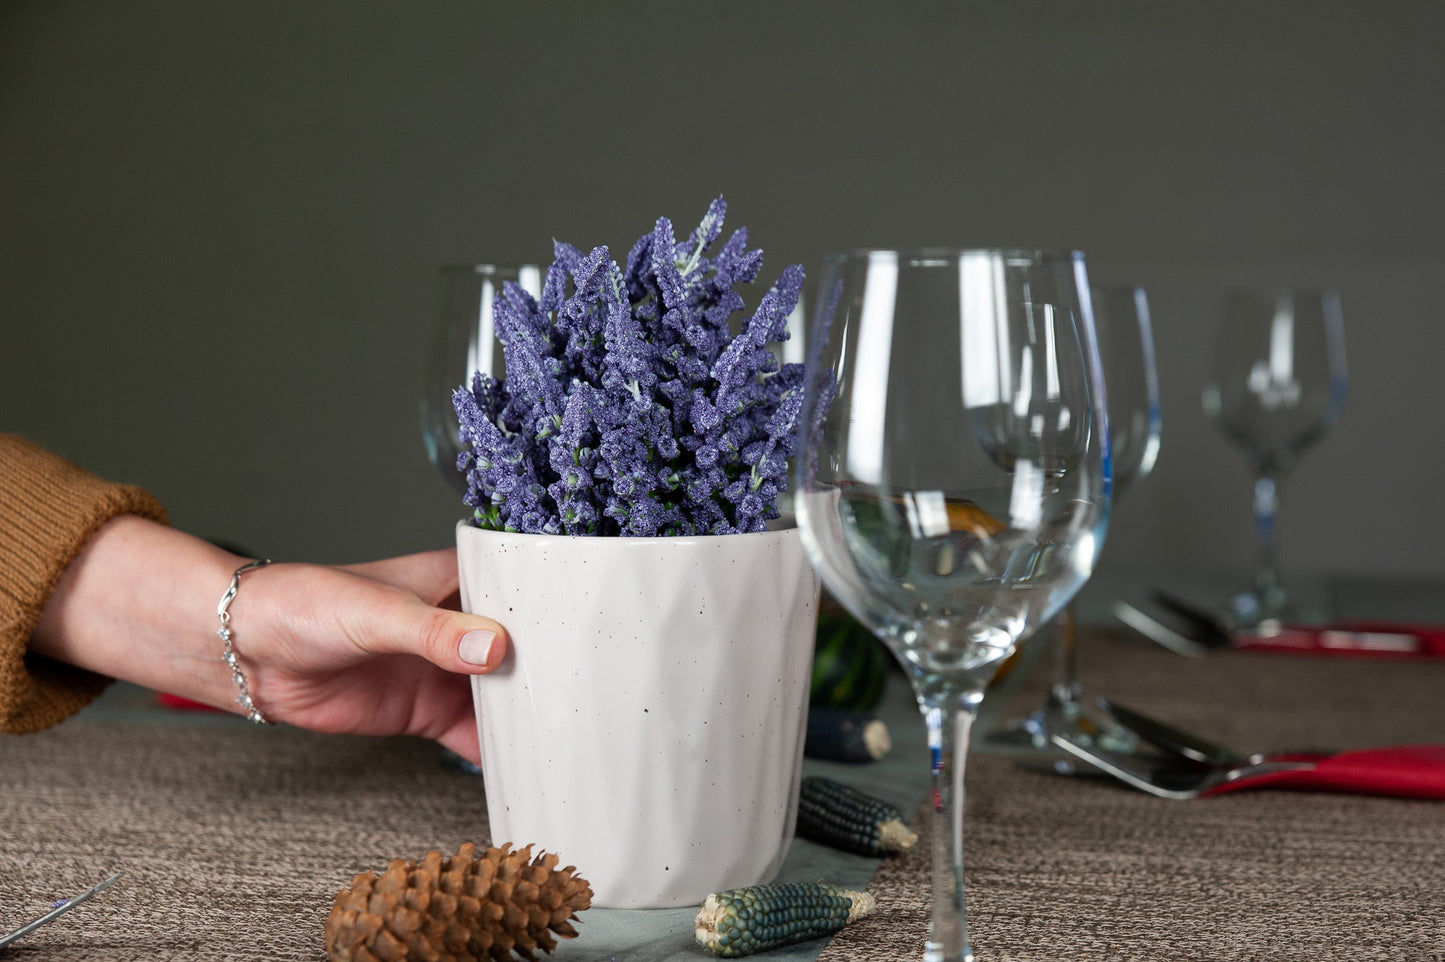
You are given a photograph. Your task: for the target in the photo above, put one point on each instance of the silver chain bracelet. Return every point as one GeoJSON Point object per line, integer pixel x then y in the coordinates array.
{"type": "Point", "coordinates": [224, 633]}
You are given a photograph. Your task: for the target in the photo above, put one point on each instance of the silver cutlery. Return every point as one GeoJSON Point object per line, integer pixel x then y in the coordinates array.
{"type": "Point", "coordinates": [1194, 749]}
{"type": "Point", "coordinates": [1155, 630]}
{"type": "Point", "coordinates": [1172, 781]}
{"type": "Point", "coordinates": [1193, 630]}
{"type": "Point", "coordinates": [1209, 628]}
{"type": "Point", "coordinates": [65, 905]}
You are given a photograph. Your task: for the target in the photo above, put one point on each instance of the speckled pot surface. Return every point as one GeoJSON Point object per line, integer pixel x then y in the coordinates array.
{"type": "Point", "coordinates": [648, 724]}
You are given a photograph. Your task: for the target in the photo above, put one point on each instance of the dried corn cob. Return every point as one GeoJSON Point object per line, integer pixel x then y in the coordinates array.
{"type": "Point", "coordinates": [841, 735]}
{"type": "Point", "coordinates": [742, 921]}
{"type": "Point", "coordinates": [838, 815]}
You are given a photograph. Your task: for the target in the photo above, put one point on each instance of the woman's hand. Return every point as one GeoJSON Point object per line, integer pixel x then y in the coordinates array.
{"type": "Point", "coordinates": [373, 648]}
{"type": "Point", "coordinates": [366, 649]}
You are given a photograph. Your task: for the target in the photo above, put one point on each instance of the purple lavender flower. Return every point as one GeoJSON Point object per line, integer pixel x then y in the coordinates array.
{"type": "Point", "coordinates": [629, 408]}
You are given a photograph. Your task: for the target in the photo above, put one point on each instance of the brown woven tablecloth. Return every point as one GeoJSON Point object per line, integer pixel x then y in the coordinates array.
{"type": "Point", "coordinates": [1079, 869]}
{"type": "Point", "coordinates": [234, 839]}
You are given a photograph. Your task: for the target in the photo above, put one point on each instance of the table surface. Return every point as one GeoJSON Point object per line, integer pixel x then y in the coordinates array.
{"type": "Point", "coordinates": [234, 840]}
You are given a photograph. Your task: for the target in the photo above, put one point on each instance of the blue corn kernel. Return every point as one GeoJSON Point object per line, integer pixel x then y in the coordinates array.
{"type": "Point", "coordinates": [843, 817]}
{"type": "Point", "coordinates": [756, 918]}
{"type": "Point", "coordinates": [844, 735]}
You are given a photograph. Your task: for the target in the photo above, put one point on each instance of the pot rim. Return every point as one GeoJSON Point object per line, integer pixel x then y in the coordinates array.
{"type": "Point", "coordinates": [779, 528]}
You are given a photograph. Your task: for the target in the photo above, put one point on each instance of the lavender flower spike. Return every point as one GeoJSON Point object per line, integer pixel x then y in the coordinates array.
{"type": "Point", "coordinates": [629, 408]}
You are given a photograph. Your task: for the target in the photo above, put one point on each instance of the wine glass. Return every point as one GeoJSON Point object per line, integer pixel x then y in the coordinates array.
{"type": "Point", "coordinates": [953, 479]}
{"type": "Point", "coordinates": [1278, 386]}
{"type": "Point", "coordinates": [462, 340]}
{"type": "Point", "coordinates": [1131, 380]}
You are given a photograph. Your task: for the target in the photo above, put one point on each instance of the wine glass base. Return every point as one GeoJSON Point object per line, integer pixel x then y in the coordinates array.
{"type": "Point", "coordinates": [937, 952]}
{"type": "Point", "coordinates": [1030, 739]}
{"type": "Point", "coordinates": [1249, 609]}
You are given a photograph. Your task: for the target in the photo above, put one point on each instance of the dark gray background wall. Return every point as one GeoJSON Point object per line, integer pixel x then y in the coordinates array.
{"type": "Point", "coordinates": [221, 223]}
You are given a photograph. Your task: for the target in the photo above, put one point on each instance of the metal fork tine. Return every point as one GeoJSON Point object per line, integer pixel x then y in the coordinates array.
{"type": "Point", "coordinates": [1125, 773]}
{"type": "Point", "coordinates": [59, 910]}
{"type": "Point", "coordinates": [1170, 739]}
{"type": "Point", "coordinates": [1202, 780]}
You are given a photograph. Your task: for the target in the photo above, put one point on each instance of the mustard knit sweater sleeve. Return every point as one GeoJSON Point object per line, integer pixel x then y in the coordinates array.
{"type": "Point", "coordinates": [49, 508]}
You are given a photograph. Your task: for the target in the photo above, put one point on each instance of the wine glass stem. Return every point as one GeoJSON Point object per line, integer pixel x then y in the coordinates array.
{"type": "Point", "coordinates": [1066, 693]}
{"type": "Point", "coordinates": [1266, 565]}
{"type": "Point", "coordinates": [949, 722]}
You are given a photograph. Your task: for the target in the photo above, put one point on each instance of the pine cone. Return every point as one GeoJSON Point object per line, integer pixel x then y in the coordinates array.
{"type": "Point", "coordinates": [465, 908]}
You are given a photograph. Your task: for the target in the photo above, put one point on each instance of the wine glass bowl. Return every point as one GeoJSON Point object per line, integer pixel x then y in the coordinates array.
{"type": "Point", "coordinates": [943, 494]}
{"type": "Point", "coordinates": [953, 487]}
{"type": "Point", "coordinates": [461, 341]}
{"type": "Point", "coordinates": [1126, 352]}
{"type": "Point", "coordinates": [1131, 379]}
{"type": "Point", "coordinates": [1277, 386]}
{"type": "Point", "coordinates": [1279, 381]}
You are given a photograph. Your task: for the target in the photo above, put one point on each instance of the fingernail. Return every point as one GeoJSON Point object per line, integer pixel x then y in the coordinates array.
{"type": "Point", "coordinates": [476, 646]}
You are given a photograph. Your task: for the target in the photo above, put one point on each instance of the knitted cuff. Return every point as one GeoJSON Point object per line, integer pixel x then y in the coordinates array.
{"type": "Point", "coordinates": [49, 508]}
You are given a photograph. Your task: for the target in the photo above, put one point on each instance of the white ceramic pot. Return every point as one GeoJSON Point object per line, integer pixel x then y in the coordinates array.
{"type": "Point", "coordinates": [648, 724]}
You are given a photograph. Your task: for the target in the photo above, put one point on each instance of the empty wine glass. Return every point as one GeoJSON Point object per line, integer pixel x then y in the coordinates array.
{"type": "Point", "coordinates": [1277, 386]}
{"type": "Point", "coordinates": [1131, 378]}
{"type": "Point", "coordinates": [953, 484]}
{"type": "Point", "coordinates": [1131, 381]}
{"type": "Point", "coordinates": [461, 341]}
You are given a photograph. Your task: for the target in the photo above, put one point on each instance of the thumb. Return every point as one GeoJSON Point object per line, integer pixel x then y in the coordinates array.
{"type": "Point", "coordinates": [480, 649]}
{"type": "Point", "coordinates": [467, 644]}
{"type": "Point", "coordinates": [464, 643]}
